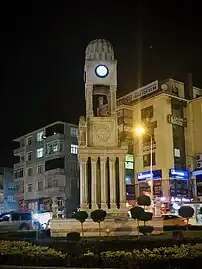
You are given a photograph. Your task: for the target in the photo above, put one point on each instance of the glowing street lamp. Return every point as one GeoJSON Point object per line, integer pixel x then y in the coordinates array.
{"type": "Point", "coordinates": [140, 131]}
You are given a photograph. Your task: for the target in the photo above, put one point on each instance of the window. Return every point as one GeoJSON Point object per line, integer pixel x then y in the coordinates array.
{"type": "Point", "coordinates": [147, 113]}
{"type": "Point", "coordinates": [147, 159]}
{"type": "Point", "coordinates": [29, 187]}
{"type": "Point", "coordinates": [74, 131]}
{"type": "Point", "coordinates": [52, 147]}
{"type": "Point", "coordinates": [29, 156]}
{"type": "Point", "coordinates": [74, 166]}
{"type": "Point", "coordinates": [55, 183]}
{"type": "Point", "coordinates": [39, 153]}
{"type": "Point", "coordinates": [19, 173]}
{"type": "Point", "coordinates": [39, 136]}
{"type": "Point", "coordinates": [29, 141]}
{"type": "Point", "coordinates": [40, 169]}
{"type": "Point", "coordinates": [40, 185]}
{"type": "Point", "coordinates": [22, 158]}
{"type": "Point", "coordinates": [55, 146]}
{"type": "Point", "coordinates": [147, 137]}
{"type": "Point", "coordinates": [129, 161]}
{"type": "Point", "coordinates": [29, 171]}
{"type": "Point", "coordinates": [74, 149]}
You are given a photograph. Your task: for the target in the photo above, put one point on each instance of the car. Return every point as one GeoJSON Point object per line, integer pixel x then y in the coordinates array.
{"type": "Point", "coordinates": [13, 221]}
{"type": "Point", "coordinates": [174, 220]}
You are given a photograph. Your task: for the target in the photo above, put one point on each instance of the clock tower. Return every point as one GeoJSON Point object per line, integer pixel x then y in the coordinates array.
{"type": "Point", "coordinates": [101, 156]}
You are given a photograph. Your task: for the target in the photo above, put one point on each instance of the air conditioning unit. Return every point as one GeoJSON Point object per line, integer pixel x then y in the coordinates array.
{"type": "Point", "coordinates": [198, 157]}
{"type": "Point", "coordinates": [199, 165]}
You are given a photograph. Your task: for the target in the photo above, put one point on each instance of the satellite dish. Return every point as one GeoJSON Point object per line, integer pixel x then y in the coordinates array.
{"type": "Point", "coordinates": [164, 87]}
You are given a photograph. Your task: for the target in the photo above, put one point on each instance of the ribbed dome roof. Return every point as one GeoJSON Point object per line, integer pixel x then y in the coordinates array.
{"type": "Point", "coordinates": [99, 49]}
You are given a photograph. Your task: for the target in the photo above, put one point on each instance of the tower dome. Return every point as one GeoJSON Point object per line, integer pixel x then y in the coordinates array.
{"type": "Point", "coordinates": [99, 49]}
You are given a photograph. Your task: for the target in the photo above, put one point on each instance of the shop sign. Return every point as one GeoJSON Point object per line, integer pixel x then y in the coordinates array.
{"type": "Point", "coordinates": [156, 174]}
{"type": "Point", "coordinates": [178, 174]}
{"type": "Point", "coordinates": [177, 121]}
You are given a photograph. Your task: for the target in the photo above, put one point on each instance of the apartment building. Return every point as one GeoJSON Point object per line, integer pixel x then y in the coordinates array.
{"type": "Point", "coordinates": [8, 190]}
{"type": "Point", "coordinates": [47, 170]}
{"type": "Point", "coordinates": [170, 111]}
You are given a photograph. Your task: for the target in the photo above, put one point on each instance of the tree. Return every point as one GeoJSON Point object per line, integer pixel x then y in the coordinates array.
{"type": "Point", "coordinates": [81, 216]}
{"type": "Point", "coordinates": [145, 229]}
{"type": "Point", "coordinates": [98, 216]}
{"type": "Point", "coordinates": [136, 213]}
{"type": "Point", "coordinates": [186, 212]}
{"type": "Point", "coordinates": [144, 200]}
{"type": "Point", "coordinates": [145, 216]}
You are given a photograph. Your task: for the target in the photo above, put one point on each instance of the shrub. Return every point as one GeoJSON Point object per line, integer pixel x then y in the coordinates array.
{"type": "Point", "coordinates": [186, 212]}
{"type": "Point", "coordinates": [73, 236]}
{"type": "Point", "coordinates": [145, 230]}
{"type": "Point", "coordinates": [23, 253]}
{"type": "Point", "coordinates": [98, 216]}
{"type": "Point", "coordinates": [144, 200]}
{"type": "Point", "coordinates": [81, 216]}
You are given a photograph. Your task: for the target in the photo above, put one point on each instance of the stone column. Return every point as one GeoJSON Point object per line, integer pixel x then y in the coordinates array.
{"type": "Point", "coordinates": [89, 99]}
{"type": "Point", "coordinates": [122, 181]}
{"type": "Point", "coordinates": [113, 99]}
{"type": "Point", "coordinates": [93, 182]}
{"type": "Point", "coordinates": [112, 180]}
{"type": "Point", "coordinates": [103, 161]}
{"type": "Point", "coordinates": [83, 183]}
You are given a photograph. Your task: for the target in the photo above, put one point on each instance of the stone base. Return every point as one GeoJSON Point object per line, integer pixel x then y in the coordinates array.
{"type": "Point", "coordinates": [112, 227]}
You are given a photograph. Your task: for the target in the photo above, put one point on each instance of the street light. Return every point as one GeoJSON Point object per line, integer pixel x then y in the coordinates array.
{"type": "Point", "coordinates": [140, 131]}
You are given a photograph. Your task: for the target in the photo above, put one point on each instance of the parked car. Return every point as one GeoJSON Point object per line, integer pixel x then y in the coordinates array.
{"type": "Point", "coordinates": [173, 220]}
{"type": "Point", "coordinates": [13, 221]}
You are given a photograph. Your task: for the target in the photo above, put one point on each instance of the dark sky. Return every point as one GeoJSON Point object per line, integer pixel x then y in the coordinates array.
{"type": "Point", "coordinates": [42, 54]}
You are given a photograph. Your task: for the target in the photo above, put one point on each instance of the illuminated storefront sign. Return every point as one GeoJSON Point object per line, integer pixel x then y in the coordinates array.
{"type": "Point", "coordinates": [177, 121]}
{"type": "Point", "coordinates": [178, 174]}
{"type": "Point", "coordinates": [156, 174]}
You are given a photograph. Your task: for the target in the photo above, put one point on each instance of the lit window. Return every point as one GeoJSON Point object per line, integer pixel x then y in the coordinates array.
{"type": "Point", "coordinates": [29, 187]}
{"type": "Point", "coordinates": [55, 146]}
{"type": "Point", "coordinates": [74, 131]}
{"type": "Point", "coordinates": [40, 169]}
{"type": "Point", "coordinates": [29, 171]}
{"type": "Point", "coordinates": [74, 149]}
{"type": "Point", "coordinates": [39, 153]}
{"type": "Point", "coordinates": [39, 136]}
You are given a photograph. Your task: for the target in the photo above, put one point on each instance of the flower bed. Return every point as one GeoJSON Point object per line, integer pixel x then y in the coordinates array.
{"type": "Point", "coordinates": [23, 253]}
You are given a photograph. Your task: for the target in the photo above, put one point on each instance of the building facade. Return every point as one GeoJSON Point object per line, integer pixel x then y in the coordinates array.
{"type": "Point", "coordinates": [171, 113]}
{"type": "Point", "coordinates": [47, 170]}
{"type": "Point", "coordinates": [7, 190]}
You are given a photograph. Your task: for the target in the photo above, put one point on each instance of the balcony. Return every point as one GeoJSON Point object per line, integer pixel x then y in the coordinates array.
{"type": "Point", "coordinates": [47, 192]}
{"type": "Point", "coordinates": [54, 172]}
{"type": "Point", "coordinates": [18, 165]}
{"type": "Point", "coordinates": [18, 150]}
{"type": "Point", "coordinates": [57, 136]}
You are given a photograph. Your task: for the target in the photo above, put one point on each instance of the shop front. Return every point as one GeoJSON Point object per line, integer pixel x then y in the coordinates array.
{"type": "Point", "coordinates": [179, 189]}
{"type": "Point", "coordinates": [144, 179]}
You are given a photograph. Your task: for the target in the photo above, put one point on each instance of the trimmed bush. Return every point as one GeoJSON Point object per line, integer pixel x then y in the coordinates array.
{"type": "Point", "coordinates": [73, 236]}
{"type": "Point", "coordinates": [145, 230]}
{"type": "Point", "coordinates": [22, 253]}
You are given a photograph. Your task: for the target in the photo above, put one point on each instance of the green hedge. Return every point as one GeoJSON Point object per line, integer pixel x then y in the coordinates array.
{"type": "Point", "coordinates": [23, 253]}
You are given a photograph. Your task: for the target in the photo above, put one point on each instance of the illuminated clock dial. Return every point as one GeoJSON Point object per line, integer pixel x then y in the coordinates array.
{"type": "Point", "coordinates": [101, 71]}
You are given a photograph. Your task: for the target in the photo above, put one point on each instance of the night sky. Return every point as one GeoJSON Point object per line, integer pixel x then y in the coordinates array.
{"type": "Point", "coordinates": [42, 55]}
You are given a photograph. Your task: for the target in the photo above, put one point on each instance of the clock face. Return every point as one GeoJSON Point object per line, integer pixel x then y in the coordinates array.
{"type": "Point", "coordinates": [101, 71]}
